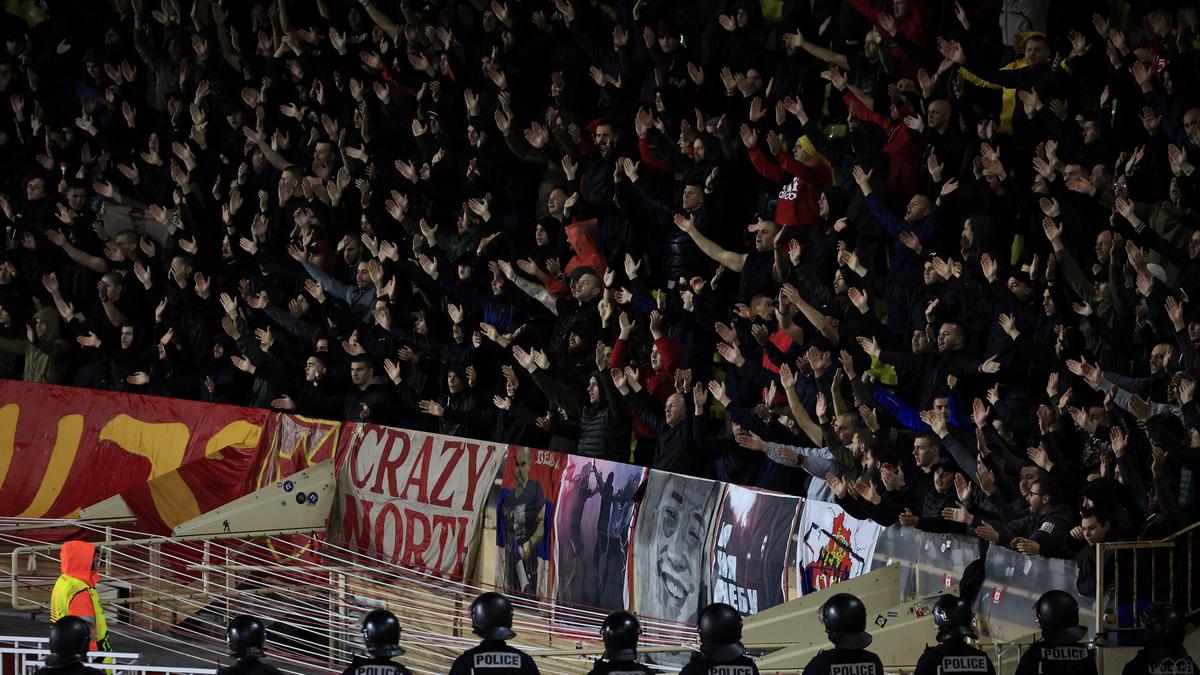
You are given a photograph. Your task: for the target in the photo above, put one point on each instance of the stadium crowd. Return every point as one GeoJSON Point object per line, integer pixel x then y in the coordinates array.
{"type": "Point", "coordinates": [931, 259]}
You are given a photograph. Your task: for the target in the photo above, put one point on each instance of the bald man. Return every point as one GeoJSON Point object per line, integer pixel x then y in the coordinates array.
{"type": "Point", "coordinates": [678, 431]}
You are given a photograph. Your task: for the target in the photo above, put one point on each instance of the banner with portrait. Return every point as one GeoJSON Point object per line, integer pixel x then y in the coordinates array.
{"type": "Point", "coordinates": [748, 562]}
{"type": "Point", "coordinates": [525, 509]}
{"type": "Point", "coordinates": [833, 546]}
{"type": "Point", "coordinates": [674, 527]}
{"type": "Point", "coordinates": [596, 503]}
{"type": "Point", "coordinates": [413, 498]}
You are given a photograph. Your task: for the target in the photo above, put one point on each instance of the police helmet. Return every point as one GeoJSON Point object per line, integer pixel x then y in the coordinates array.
{"type": "Point", "coordinates": [953, 616]}
{"type": "Point", "coordinates": [492, 616]}
{"type": "Point", "coordinates": [69, 639]}
{"type": "Point", "coordinates": [721, 632]}
{"type": "Point", "coordinates": [1058, 614]}
{"type": "Point", "coordinates": [845, 619]}
{"type": "Point", "coordinates": [620, 632]}
{"type": "Point", "coordinates": [246, 636]}
{"type": "Point", "coordinates": [381, 633]}
{"type": "Point", "coordinates": [1165, 625]}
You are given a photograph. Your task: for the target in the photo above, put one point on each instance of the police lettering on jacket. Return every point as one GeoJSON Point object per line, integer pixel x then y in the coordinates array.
{"type": "Point", "coordinates": [852, 669]}
{"type": "Point", "coordinates": [497, 660]}
{"type": "Point", "coordinates": [1168, 666]}
{"type": "Point", "coordinates": [1065, 653]}
{"type": "Point", "coordinates": [730, 669]}
{"type": "Point", "coordinates": [378, 669]}
{"type": "Point", "coordinates": [964, 664]}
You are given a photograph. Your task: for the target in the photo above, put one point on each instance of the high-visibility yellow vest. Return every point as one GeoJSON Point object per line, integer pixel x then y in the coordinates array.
{"type": "Point", "coordinates": [65, 590]}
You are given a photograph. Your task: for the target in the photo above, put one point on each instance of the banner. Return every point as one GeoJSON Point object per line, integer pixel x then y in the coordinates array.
{"type": "Point", "coordinates": [525, 508]}
{"type": "Point", "coordinates": [63, 448]}
{"type": "Point", "coordinates": [291, 444]}
{"type": "Point", "coordinates": [294, 443]}
{"type": "Point", "coordinates": [413, 498]}
{"type": "Point", "coordinates": [748, 563]}
{"type": "Point", "coordinates": [674, 526]}
{"type": "Point", "coordinates": [592, 531]}
{"type": "Point", "coordinates": [834, 546]}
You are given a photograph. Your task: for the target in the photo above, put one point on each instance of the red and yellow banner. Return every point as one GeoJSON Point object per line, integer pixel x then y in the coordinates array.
{"type": "Point", "coordinates": [63, 448]}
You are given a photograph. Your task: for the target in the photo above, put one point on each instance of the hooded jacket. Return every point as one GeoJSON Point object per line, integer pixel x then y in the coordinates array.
{"type": "Point", "coordinates": [46, 359]}
{"type": "Point", "coordinates": [76, 564]}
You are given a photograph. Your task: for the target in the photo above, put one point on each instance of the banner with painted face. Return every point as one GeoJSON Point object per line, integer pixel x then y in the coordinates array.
{"type": "Point", "coordinates": [833, 546]}
{"type": "Point", "coordinates": [525, 508]}
{"type": "Point", "coordinates": [674, 527]}
{"type": "Point", "coordinates": [748, 563]}
{"type": "Point", "coordinates": [592, 531]}
{"type": "Point", "coordinates": [413, 498]}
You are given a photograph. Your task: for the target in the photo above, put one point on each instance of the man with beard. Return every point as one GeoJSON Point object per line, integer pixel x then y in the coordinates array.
{"type": "Point", "coordinates": [1043, 532]}
{"type": "Point", "coordinates": [315, 394]}
{"type": "Point", "coordinates": [523, 515]}
{"type": "Point", "coordinates": [761, 270]}
{"type": "Point", "coordinates": [576, 317]}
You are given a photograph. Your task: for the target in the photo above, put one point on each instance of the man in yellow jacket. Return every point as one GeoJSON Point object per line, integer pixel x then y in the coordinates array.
{"type": "Point", "coordinates": [75, 591]}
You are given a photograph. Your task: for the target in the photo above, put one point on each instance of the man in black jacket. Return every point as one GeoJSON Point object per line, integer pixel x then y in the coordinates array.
{"type": "Point", "coordinates": [1045, 531]}
{"type": "Point", "coordinates": [679, 448]}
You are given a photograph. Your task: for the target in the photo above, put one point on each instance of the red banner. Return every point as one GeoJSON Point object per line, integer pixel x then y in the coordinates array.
{"type": "Point", "coordinates": [63, 448]}
{"type": "Point", "coordinates": [413, 498]}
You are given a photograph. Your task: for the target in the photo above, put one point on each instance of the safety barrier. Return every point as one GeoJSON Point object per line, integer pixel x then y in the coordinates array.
{"type": "Point", "coordinates": [1133, 574]}
{"type": "Point", "coordinates": [19, 654]}
{"type": "Point", "coordinates": [180, 594]}
{"type": "Point", "coordinates": [932, 562]}
{"type": "Point", "coordinates": [134, 669]}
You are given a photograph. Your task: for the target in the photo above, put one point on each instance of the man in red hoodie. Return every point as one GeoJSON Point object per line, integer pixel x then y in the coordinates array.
{"type": "Point", "coordinates": [75, 591]}
{"type": "Point", "coordinates": [808, 170]}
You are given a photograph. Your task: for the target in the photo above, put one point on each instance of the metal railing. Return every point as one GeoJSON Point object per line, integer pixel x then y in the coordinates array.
{"type": "Point", "coordinates": [181, 593]}
{"type": "Point", "coordinates": [1132, 574]}
{"type": "Point", "coordinates": [24, 653]}
{"type": "Point", "coordinates": [130, 669]}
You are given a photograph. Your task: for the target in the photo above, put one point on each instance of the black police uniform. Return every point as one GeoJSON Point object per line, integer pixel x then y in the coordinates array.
{"type": "Point", "coordinates": [1162, 661]}
{"type": "Point", "coordinates": [954, 656]}
{"type": "Point", "coordinates": [1046, 658]}
{"type": "Point", "coordinates": [702, 665]}
{"type": "Point", "coordinates": [375, 665]}
{"type": "Point", "coordinates": [619, 667]}
{"type": "Point", "coordinates": [493, 657]}
{"type": "Point", "coordinates": [77, 669]}
{"type": "Point", "coordinates": [249, 666]}
{"type": "Point", "coordinates": [844, 662]}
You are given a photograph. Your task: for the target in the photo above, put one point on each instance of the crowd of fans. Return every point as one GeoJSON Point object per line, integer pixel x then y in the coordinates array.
{"type": "Point", "coordinates": [932, 259]}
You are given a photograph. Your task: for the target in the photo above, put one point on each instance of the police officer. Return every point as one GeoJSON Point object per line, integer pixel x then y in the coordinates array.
{"type": "Point", "coordinates": [620, 632]}
{"type": "Point", "coordinates": [246, 636]}
{"type": "Point", "coordinates": [952, 654]}
{"type": "Point", "coordinates": [844, 617]}
{"type": "Point", "coordinates": [491, 619]}
{"type": "Point", "coordinates": [381, 635]}
{"type": "Point", "coordinates": [69, 638]}
{"type": "Point", "coordinates": [1059, 651]}
{"type": "Point", "coordinates": [1164, 653]}
{"type": "Point", "coordinates": [721, 650]}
